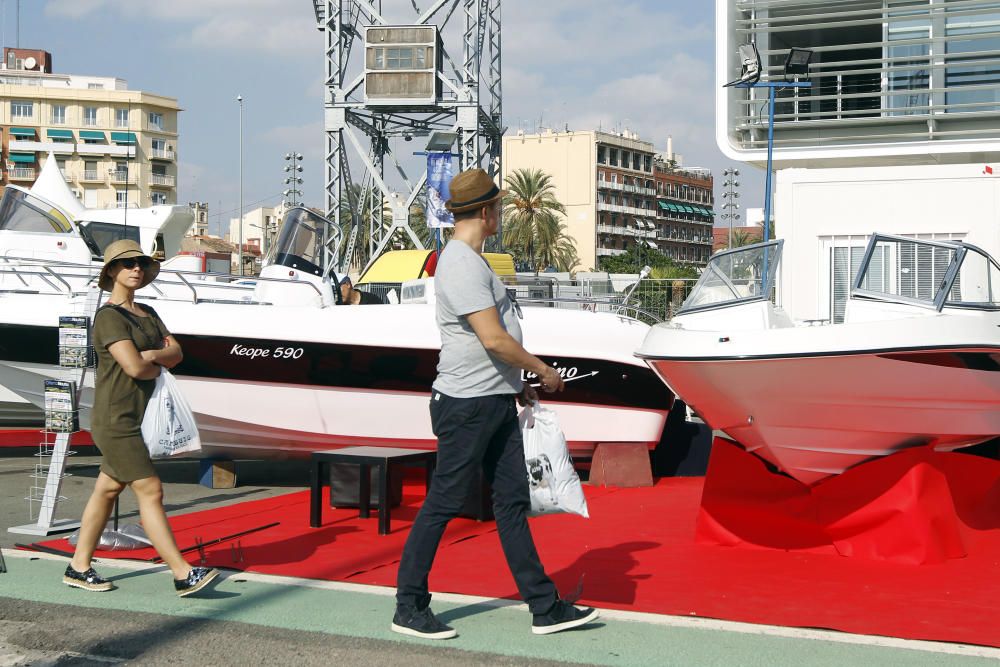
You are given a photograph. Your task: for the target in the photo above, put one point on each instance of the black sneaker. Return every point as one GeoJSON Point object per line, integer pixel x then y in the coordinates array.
{"type": "Point", "coordinates": [562, 616]}
{"type": "Point", "coordinates": [88, 581]}
{"type": "Point", "coordinates": [196, 580]}
{"type": "Point", "coordinates": [420, 623]}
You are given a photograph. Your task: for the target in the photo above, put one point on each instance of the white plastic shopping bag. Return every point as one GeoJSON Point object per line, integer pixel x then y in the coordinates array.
{"type": "Point", "coordinates": [168, 427]}
{"type": "Point", "coordinates": [552, 480]}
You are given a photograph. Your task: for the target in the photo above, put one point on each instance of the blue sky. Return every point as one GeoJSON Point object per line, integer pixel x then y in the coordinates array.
{"type": "Point", "coordinates": [645, 65]}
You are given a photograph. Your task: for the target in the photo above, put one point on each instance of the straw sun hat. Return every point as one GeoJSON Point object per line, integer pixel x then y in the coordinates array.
{"type": "Point", "coordinates": [124, 249]}
{"type": "Point", "coordinates": [472, 189]}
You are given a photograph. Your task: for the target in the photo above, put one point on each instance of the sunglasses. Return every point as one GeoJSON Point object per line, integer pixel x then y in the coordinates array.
{"type": "Point", "coordinates": [130, 263]}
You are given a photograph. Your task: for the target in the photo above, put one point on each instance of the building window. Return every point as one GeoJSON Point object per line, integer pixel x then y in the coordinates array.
{"type": "Point", "coordinates": [155, 121]}
{"type": "Point", "coordinates": [90, 116]}
{"type": "Point", "coordinates": [95, 86]}
{"type": "Point", "coordinates": [647, 163]}
{"type": "Point", "coordinates": [58, 114]}
{"type": "Point", "coordinates": [159, 146]}
{"type": "Point", "coordinates": [601, 155]}
{"type": "Point", "coordinates": [613, 157]}
{"type": "Point", "coordinates": [158, 197]}
{"type": "Point", "coordinates": [121, 118]}
{"type": "Point", "coordinates": [159, 169]}
{"type": "Point", "coordinates": [21, 109]}
{"type": "Point", "coordinates": [625, 158]}
{"type": "Point", "coordinates": [121, 198]}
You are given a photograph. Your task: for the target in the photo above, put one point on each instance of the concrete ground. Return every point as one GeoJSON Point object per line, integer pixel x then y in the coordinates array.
{"type": "Point", "coordinates": [250, 619]}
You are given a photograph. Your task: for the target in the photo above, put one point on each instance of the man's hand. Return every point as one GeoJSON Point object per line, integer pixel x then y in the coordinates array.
{"type": "Point", "coordinates": [551, 380]}
{"type": "Point", "coordinates": [148, 355]}
{"type": "Point", "coordinates": [528, 396]}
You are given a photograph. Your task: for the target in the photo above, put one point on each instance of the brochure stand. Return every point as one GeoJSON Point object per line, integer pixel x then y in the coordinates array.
{"type": "Point", "coordinates": [62, 420]}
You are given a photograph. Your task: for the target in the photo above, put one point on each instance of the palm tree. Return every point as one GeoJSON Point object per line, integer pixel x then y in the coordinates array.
{"type": "Point", "coordinates": [532, 225]}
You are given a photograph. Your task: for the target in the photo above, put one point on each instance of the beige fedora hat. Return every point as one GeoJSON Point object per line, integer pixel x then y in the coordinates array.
{"type": "Point", "coordinates": [124, 249]}
{"type": "Point", "coordinates": [472, 189]}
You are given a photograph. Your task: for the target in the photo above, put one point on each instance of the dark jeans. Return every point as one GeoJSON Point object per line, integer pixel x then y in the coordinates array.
{"type": "Point", "coordinates": [476, 433]}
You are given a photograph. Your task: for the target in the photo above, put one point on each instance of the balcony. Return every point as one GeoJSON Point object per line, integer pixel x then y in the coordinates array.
{"type": "Point", "coordinates": [18, 145]}
{"type": "Point", "coordinates": [162, 180]}
{"type": "Point", "coordinates": [21, 174]}
{"type": "Point", "coordinates": [92, 176]}
{"type": "Point", "coordinates": [131, 204]}
{"type": "Point", "coordinates": [627, 231]}
{"type": "Point", "coordinates": [105, 149]}
{"type": "Point", "coordinates": [121, 177]}
{"type": "Point", "coordinates": [632, 210]}
{"type": "Point", "coordinates": [621, 187]}
{"type": "Point", "coordinates": [610, 252]}
{"type": "Point", "coordinates": [160, 154]}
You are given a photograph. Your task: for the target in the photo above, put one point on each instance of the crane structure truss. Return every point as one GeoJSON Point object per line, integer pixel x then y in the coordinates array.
{"type": "Point", "coordinates": [370, 208]}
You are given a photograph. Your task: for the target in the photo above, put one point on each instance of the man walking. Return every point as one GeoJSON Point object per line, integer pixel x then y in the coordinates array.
{"type": "Point", "coordinates": [474, 417]}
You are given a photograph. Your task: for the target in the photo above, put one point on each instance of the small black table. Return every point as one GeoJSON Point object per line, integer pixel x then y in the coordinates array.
{"type": "Point", "coordinates": [365, 457]}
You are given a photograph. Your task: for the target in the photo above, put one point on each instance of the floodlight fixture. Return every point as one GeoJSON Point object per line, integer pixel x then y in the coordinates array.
{"type": "Point", "coordinates": [749, 66]}
{"type": "Point", "coordinates": [441, 141]}
{"type": "Point", "coordinates": [797, 61]}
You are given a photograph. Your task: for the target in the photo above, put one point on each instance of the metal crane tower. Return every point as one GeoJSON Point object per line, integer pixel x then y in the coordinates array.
{"type": "Point", "coordinates": [403, 82]}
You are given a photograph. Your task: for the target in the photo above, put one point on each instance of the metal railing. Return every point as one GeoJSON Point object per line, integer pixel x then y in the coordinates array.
{"type": "Point", "coordinates": [92, 175]}
{"type": "Point", "coordinates": [61, 276]}
{"type": "Point", "coordinates": [162, 154]}
{"type": "Point", "coordinates": [123, 177]}
{"type": "Point", "coordinates": [21, 174]}
{"type": "Point", "coordinates": [161, 179]}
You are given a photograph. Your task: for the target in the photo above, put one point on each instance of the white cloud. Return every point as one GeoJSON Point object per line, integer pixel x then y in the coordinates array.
{"type": "Point", "coordinates": [275, 26]}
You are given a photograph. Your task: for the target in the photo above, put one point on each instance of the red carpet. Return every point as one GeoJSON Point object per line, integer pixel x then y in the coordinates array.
{"type": "Point", "coordinates": [31, 437]}
{"type": "Point", "coordinates": [637, 552]}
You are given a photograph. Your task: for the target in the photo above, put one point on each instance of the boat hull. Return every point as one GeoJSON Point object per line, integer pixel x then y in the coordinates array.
{"type": "Point", "coordinates": [816, 416]}
{"type": "Point", "coordinates": [269, 381]}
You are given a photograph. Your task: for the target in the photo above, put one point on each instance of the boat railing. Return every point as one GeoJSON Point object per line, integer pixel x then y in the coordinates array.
{"type": "Point", "coordinates": [613, 306]}
{"type": "Point", "coordinates": [58, 276]}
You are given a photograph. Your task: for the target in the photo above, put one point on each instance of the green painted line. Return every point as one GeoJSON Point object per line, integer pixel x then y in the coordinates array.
{"type": "Point", "coordinates": [482, 627]}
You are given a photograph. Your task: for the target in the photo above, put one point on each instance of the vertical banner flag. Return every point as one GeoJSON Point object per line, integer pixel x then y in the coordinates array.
{"type": "Point", "coordinates": [438, 178]}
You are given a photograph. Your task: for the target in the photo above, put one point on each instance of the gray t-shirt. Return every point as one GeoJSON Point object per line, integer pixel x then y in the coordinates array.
{"type": "Point", "coordinates": [464, 283]}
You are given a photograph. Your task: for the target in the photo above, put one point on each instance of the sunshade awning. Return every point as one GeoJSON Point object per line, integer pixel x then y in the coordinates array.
{"type": "Point", "coordinates": [22, 131]}
{"type": "Point", "coordinates": [21, 157]}
{"type": "Point", "coordinates": [59, 134]}
{"type": "Point", "coordinates": [123, 137]}
{"type": "Point", "coordinates": [92, 134]}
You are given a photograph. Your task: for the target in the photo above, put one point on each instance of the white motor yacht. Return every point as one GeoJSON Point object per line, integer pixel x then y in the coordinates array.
{"type": "Point", "coordinates": [77, 235]}
{"type": "Point", "coordinates": [916, 361]}
{"type": "Point", "coordinates": [288, 370]}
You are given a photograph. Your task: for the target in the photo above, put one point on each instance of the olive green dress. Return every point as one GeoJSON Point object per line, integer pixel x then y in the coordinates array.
{"type": "Point", "coordinates": [120, 400]}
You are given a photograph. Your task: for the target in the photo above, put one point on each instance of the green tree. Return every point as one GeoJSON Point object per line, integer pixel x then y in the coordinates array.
{"type": "Point", "coordinates": [532, 227]}
{"type": "Point", "coordinates": [635, 257]}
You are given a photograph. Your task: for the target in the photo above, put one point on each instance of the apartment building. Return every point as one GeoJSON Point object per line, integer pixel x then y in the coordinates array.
{"type": "Point", "coordinates": [619, 193]}
{"type": "Point", "coordinates": [116, 147]}
{"type": "Point", "coordinates": [898, 134]}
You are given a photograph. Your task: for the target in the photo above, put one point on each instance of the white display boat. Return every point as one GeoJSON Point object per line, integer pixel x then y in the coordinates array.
{"type": "Point", "coordinates": [915, 362]}
{"type": "Point", "coordinates": [288, 370]}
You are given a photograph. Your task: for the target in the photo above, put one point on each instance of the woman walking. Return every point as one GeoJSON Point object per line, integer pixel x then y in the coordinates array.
{"type": "Point", "coordinates": [132, 345]}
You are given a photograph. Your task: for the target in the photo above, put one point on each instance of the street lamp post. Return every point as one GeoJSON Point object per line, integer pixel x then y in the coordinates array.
{"type": "Point", "coordinates": [730, 195]}
{"type": "Point", "coordinates": [239, 99]}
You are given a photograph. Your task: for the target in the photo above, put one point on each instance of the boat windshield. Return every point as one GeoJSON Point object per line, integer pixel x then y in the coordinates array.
{"type": "Point", "coordinates": [301, 241]}
{"type": "Point", "coordinates": [736, 276]}
{"type": "Point", "coordinates": [932, 274]}
{"type": "Point", "coordinates": [23, 212]}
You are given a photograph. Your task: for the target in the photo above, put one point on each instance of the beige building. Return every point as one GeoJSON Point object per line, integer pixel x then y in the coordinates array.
{"type": "Point", "coordinates": [116, 147]}
{"type": "Point", "coordinates": [260, 229]}
{"type": "Point", "coordinates": [200, 225]}
{"type": "Point", "coordinates": [619, 193]}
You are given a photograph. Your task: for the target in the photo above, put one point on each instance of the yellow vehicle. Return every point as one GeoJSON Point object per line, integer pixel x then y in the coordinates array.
{"type": "Point", "coordinates": [397, 266]}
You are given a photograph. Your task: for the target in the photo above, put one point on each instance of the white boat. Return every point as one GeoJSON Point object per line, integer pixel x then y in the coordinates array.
{"type": "Point", "coordinates": [289, 371]}
{"type": "Point", "coordinates": [916, 361]}
{"type": "Point", "coordinates": [155, 228]}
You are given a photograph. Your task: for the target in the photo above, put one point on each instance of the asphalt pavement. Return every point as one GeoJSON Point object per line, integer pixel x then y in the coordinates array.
{"type": "Point", "coordinates": [250, 619]}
